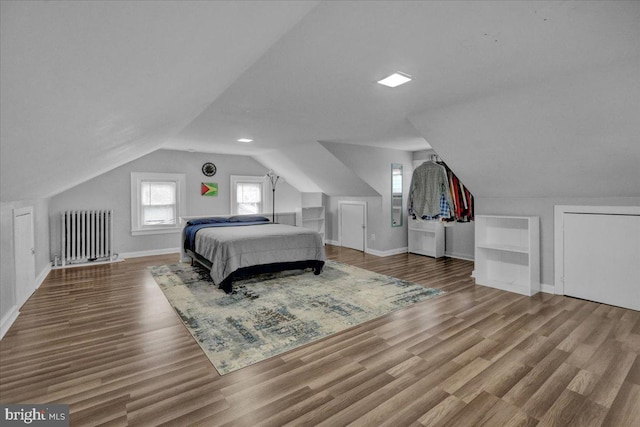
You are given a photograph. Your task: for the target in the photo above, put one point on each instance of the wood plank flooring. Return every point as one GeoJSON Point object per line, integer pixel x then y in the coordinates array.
{"type": "Point", "coordinates": [104, 340]}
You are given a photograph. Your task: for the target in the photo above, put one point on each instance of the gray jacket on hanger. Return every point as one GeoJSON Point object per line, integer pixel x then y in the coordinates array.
{"type": "Point", "coordinates": [428, 182]}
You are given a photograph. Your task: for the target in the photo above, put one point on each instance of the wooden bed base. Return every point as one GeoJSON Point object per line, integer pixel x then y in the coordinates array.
{"type": "Point", "coordinates": [241, 273]}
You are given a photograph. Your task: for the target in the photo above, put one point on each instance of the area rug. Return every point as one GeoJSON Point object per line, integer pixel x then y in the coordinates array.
{"type": "Point", "coordinates": [272, 313]}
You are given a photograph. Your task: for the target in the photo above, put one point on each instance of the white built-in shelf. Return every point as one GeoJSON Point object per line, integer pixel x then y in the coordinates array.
{"type": "Point", "coordinates": [313, 218]}
{"type": "Point", "coordinates": [426, 238]}
{"type": "Point", "coordinates": [507, 254]}
{"type": "Point", "coordinates": [506, 248]}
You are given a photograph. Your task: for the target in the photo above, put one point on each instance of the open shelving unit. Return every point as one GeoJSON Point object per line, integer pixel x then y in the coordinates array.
{"type": "Point", "coordinates": [507, 253]}
{"type": "Point", "coordinates": [313, 218]}
{"type": "Point", "coordinates": [426, 238]}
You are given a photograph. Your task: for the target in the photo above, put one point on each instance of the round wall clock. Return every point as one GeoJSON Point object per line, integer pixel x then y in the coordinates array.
{"type": "Point", "coordinates": [209, 169]}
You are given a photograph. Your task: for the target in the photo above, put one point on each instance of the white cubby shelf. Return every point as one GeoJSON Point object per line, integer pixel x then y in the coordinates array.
{"type": "Point", "coordinates": [426, 238]}
{"type": "Point", "coordinates": [507, 253]}
{"type": "Point", "coordinates": [313, 218]}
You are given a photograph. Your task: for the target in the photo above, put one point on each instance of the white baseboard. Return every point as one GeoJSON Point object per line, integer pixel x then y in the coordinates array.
{"type": "Point", "coordinates": [8, 319]}
{"type": "Point", "coordinates": [387, 253]}
{"type": "Point", "coordinates": [404, 250]}
{"type": "Point", "coordinates": [87, 264]}
{"type": "Point", "coordinates": [43, 274]}
{"type": "Point", "coordinates": [12, 315]}
{"type": "Point", "coordinates": [151, 252]}
{"type": "Point", "coordinates": [458, 255]}
{"type": "Point", "coordinates": [374, 251]}
{"type": "Point", "coordinates": [547, 289]}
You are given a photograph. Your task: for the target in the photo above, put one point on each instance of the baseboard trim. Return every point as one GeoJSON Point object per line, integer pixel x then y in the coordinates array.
{"type": "Point", "coordinates": [87, 264]}
{"type": "Point", "coordinates": [151, 252]}
{"type": "Point", "coordinates": [547, 289]}
{"type": "Point", "coordinates": [387, 253]}
{"type": "Point", "coordinates": [43, 274]}
{"type": "Point", "coordinates": [13, 313]}
{"type": "Point", "coordinates": [404, 250]}
{"type": "Point", "coordinates": [8, 320]}
{"type": "Point", "coordinates": [457, 255]}
{"type": "Point", "coordinates": [374, 251]}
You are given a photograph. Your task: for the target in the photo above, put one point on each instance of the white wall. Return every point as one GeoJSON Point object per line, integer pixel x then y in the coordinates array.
{"type": "Point", "coordinates": [543, 207]}
{"type": "Point", "coordinates": [7, 261]}
{"type": "Point", "coordinates": [373, 165]}
{"type": "Point", "coordinates": [112, 191]}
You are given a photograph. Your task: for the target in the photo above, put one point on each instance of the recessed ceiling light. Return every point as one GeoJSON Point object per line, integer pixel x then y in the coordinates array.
{"type": "Point", "coordinates": [395, 79]}
{"type": "Point", "coordinates": [245, 140]}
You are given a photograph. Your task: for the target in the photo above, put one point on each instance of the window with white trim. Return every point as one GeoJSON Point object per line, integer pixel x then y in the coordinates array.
{"type": "Point", "coordinates": [158, 200]}
{"type": "Point", "coordinates": [248, 195]}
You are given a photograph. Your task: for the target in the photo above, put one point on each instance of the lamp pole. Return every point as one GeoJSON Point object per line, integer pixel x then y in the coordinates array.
{"type": "Point", "coordinates": [273, 178]}
{"type": "Point", "coordinates": [273, 204]}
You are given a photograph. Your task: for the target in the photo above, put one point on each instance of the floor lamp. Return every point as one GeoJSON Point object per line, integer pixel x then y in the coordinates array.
{"type": "Point", "coordinates": [274, 180]}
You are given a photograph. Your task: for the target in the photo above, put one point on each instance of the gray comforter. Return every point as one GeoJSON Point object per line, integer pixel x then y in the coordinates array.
{"type": "Point", "coordinates": [231, 248]}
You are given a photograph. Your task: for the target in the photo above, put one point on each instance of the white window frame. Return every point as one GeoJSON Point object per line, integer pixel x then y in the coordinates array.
{"type": "Point", "coordinates": [235, 179]}
{"type": "Point", "coordinates": [137, 178]}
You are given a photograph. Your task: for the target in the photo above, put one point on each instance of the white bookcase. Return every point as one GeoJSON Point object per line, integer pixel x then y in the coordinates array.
{"type": "Point", "coordinates": [426, 238]}
{"type": "Point", "coordinates": [508, 253]}
{"type": "Point", "coordinates": [312, 217]}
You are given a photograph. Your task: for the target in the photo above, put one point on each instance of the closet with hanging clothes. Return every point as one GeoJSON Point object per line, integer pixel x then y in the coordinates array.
{"type": "Point", "coordinates": [436, 198]}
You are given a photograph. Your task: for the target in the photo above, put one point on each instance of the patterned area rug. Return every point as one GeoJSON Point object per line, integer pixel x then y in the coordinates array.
{"type": "Point", "coordinates": [270, 314]}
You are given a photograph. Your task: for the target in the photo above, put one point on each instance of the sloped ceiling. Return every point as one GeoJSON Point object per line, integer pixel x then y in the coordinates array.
{"type": "Point", "coordinates": [519, 98]}
{"type": "Point", "coordinates": [87, 86]}
{"type": "Point", "coordinates": [573, 136]}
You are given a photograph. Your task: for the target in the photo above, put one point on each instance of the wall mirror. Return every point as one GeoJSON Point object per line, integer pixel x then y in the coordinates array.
{"type": "Point", "coordinates": [396, 195]}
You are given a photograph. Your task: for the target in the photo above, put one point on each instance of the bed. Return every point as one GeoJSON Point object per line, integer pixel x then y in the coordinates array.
{"type": "Point", "coordinates": [240, 246]}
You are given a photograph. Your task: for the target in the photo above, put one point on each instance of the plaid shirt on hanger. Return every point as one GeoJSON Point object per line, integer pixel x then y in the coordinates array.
{"type": "Point", "coordinates": [445, 210]}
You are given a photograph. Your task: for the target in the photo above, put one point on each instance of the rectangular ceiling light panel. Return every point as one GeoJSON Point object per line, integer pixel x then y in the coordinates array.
{"type": "Point", "coordinates": [395, 79]}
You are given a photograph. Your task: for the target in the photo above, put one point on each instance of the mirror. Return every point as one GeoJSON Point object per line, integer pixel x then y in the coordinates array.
{"type": "Point", "coordinates": [396, 195]}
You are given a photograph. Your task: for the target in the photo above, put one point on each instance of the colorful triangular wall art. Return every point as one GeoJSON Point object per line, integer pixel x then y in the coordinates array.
{"type": "Point", "coordinates": [209, 189]}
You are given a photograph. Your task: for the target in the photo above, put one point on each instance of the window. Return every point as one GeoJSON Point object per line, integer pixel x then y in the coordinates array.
{"type": "Point", "coordinates": [248, 195]}
{"type": "Point", "coordinates": [157, 202]}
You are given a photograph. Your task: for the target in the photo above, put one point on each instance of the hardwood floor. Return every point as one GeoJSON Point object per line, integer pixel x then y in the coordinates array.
{"type": "Point", "coordinates": [105, 341]}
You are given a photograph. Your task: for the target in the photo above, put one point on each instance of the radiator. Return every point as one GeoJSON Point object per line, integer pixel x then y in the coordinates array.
{"type": "Point", "coordinates": [87, 236]}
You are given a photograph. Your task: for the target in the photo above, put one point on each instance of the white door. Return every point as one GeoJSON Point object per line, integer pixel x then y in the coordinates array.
{"type": "Point", "coordinates": [352, 225]}
{"type": "Point", "coordinates": [602, 258]}
{"type": "Point", "coordinates": [24, 254]}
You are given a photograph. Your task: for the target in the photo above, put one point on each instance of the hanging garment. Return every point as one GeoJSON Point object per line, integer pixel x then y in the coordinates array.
{"type": "Point", "coordinates": [462, 207]}
{"type": "Point", "coordinates": [445, 210]}
{"type": "Point", "coordinates": [469, 214]}
{"type": "Point", "coordinates": [428, 183]}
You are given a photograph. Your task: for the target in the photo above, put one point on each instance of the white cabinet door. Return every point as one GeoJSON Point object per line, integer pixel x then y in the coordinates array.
{"type": "Point", "coordinates": [602, 258]}
{"type": "Point", "coordinates": [24, 254]}
{"type": "Point", "coordinates": [352, 226]}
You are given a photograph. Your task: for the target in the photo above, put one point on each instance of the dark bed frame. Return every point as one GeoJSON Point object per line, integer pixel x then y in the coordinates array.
{"type": "Point", "coordinates": [242, 273]}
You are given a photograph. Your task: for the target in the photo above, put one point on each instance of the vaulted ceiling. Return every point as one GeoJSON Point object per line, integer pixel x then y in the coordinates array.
{"type": "Point", "coordinates": [520, 98]}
